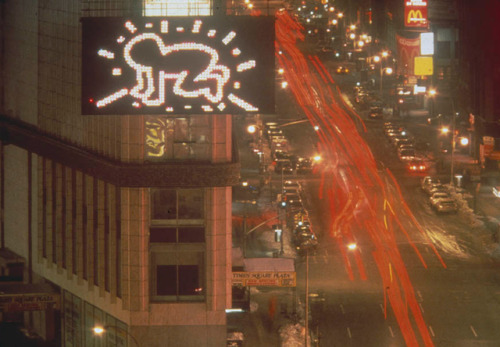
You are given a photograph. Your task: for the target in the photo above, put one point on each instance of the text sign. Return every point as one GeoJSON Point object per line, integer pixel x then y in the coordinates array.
{"type": "Point", "coordinates": [265, 278]}
{"type": "Point", "coordinates": [416, 13]}
{"type": "Point", "coordinates": [178, 65]}
{"type": "Point", "coordinates": [28, 302]}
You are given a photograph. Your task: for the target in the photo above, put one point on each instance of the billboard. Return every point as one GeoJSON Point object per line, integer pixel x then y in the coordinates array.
{"type": "Point", "coordinates": [427, 43]}
{"type": "Point", "coordinates": [416, 14]}
{"type": "Point", "coordinates": [265, 278]}
{"type": "Point", "coordinates": [408, 49]}
{"type": "Point", "coordinates": [424, 66]}
{"type": "Point", "coordinates": [177, 65]}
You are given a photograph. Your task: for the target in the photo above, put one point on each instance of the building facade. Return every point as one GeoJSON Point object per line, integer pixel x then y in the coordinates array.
{"type": "Point", "coordinates": [126, 218]}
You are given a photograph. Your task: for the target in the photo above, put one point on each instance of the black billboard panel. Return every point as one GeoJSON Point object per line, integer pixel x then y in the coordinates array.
{"type": "Point", "coordinates": [177, 65]}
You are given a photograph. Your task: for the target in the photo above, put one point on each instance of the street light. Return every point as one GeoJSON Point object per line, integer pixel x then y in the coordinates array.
{"type": "Point", "coordinates": [100, 330]}
{"type": "Point", "coordinates": [388, 71]}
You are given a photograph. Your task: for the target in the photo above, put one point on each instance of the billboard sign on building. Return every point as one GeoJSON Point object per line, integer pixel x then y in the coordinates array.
{"type": "Point", "coordinates": [408, 49]}
{"type": "Point", "coordinates": [416, 14]}
{"type": "Point", "coordinates": [424, 66]}
{"type": "Point", "coordinates": [427, 43]}
{"type": "Point", "coordinates": [265, 278]}
{"type": "Point", "coordinates": [177, 65]}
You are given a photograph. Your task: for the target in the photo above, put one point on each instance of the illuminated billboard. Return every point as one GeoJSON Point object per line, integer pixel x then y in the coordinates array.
{"type": "Point", "coordinates": [416, 13]}
{"type": "Point", "coordinates": [177, 65]}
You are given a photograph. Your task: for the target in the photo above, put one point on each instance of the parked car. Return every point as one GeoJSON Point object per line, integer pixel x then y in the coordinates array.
{"type": "Point", "coordinates": [434, 198]}
{"type": "Point", "coordinates": [428, 180]}
{"type": "Point", "coordinates": [376, 112]}
{"type": "Point", "coordinates": [304, 166]}
{"type": "Point", "coordinates": [283, 166]}
{"type": "Point", "coordinates": [292, 184]}
{"type": "Point", "coordinates": [446, 206]}
{"type": "Point", "coordinates": [434, 188]}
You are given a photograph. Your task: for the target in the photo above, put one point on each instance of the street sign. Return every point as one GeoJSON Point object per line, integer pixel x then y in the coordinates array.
{"type": "Point", "coordinates": [28, 302]}
{"type": "Point", "coordinates": [265, 278]}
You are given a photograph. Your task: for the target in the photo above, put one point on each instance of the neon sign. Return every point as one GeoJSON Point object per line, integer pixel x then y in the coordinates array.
{"type": "Point", "coordinates": [416, 13]}
{"type": "Point", "coordinates": [177, 65]}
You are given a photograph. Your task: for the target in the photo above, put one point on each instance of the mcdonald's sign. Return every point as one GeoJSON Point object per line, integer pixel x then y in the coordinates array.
{"type": "Point", "coordinates": [416, 14]}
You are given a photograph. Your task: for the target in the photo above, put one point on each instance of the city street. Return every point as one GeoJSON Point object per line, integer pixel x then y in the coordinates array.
{"type": "Point", "coordinates": [388, 271]}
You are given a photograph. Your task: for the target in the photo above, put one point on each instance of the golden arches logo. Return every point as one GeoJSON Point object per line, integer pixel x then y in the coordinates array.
{"type": "Point", "coordinates": [415, 16]}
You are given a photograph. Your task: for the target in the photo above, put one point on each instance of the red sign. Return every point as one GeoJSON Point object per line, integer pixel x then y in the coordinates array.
{"type": "Point", "coordinates": [416, 14]}
{"type": "Point", "coordinates": [408, 49]}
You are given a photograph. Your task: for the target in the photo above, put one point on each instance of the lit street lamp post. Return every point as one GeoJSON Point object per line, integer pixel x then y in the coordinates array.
{"type": "Point", "coordinates": [100, 330]}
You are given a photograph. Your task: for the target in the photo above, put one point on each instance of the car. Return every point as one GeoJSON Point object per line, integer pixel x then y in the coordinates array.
{"type": "Point", "coordinates": [446, 206]}
{"type": "Point", "coordinates": [428, 180]}
{"type": "Point", "coordinates": [291, 190]}
{"type": "Point", "coordinates": [375, 113]}
{"type": "Point", "coordinates": [434, 198]}
{"type": "Point", "coordinates": [304, 166]}
{"type": "Point", "coordinates": [406, 154]}
{"type": "Point", "coordinates": [342, 70]}
{"type": "Point", "coordinates": [403, 140]}
{"type": "Point", "coordinates": [434, 188]}
{"type": "Point", "coordinates": [283, 166]}
{"type": "Point", "coordinates": [417, 166]}
{"type": "Point", "coordinates": [292, 184]}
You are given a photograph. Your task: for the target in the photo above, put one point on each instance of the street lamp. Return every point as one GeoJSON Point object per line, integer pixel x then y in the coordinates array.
{"type": "Point", "coordinates": [432, 94]}
{"type": "Point", "coordinates": [100, 330]}
{"type": "Point", "coordinates": [388, 71]}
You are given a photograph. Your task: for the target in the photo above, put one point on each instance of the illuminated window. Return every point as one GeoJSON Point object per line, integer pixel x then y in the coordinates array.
{"type": "Point", "coordinates": [178, 138]}
{"type": "Point", "coordinates": [177, 7]}
{"type": "Point", "coordinates": [177, 244]}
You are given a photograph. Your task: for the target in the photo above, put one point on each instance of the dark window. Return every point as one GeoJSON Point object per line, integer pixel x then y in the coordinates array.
{"type": "Point", "coordinates": [191, 234]}
{"type": "Point", "coordinates": [188, 279]}
{"type": "Point", "coordinates": [163, 234]}
{"type": "Point", "coordinates": [443, 49]}
{"type": "Point", "coordinates": [166, 283]}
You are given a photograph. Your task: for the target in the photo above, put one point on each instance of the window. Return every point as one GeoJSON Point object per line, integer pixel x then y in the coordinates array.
{"type": "Point", "coordinates": [177, 7]}
{"type": "Point", "coordinates": [178, 138]}
{"type": "Point", "coordinates": [177, 245]}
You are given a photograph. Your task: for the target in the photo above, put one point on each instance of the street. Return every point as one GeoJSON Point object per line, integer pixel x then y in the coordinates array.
{"type": "Point", "coordinates": [414, 278]}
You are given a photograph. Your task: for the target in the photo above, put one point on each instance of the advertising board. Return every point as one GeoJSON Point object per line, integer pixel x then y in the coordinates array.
{"type": "Point", "coordinates": [177, 65]}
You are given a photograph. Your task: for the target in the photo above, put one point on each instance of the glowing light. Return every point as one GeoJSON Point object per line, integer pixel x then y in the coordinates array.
{"type": "Point", "coordinates": [317, 158]}
{"type": "Point", "coordinates": [116, 71]}
{"type": "Point", "coordinates": [241, 103]}
{"type": "Point", "coordinates": [251, 129]}
{"type": "Point", "coordinates": [464, 141]}
{"type": "Point", "coordinates": [284, 84]}
{"type": "Point", "coordinates": [120, 39]}
{"type": "Point", "coordinates": [196, 26]}
{"type": "Point", "coordinates": [106, 54]}
{"type": "Point", "coordinates": [207, 108]}
{"type": "Point", "coordinates": [352, 246]}
{"type": "Point", "coordinates": [169, 109]}
{"type": "Point", "coordinates": [281, 71]}
{"type": "Point", "coordinates": [250, 64]}
{"type": "Point", "coordinates": [131, 27]}
{"type": "Point", "coordinates": [211, 33]}
{"type": "Point", "coordinates": [188, 107]}
{"type": "Point", "coordinates": [229, 37]}
{"type": "Point", "coordinates": [236, 52]}
{"type": "Point", "coordinates": [112, 98]}
{"type": "Point", "coordinates": [136, 104]}
{"type": "Point", "coordinates": [236, 85]}
{"type": "Point", "coordinates": [219, 73]}
{"type": "Point", "coordinates": [98, 330]}
{"type": "Point", "coordinates": [148, 25]}
{"type": "Point", "coordinates": [221, 106]}
{"type": "Point", "coordinates": [164, 26]}
{"type": "Point", "coordinates": [180, 29]}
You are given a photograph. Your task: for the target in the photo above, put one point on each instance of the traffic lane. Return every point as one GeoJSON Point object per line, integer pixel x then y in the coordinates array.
{"type": "Point", "coordinates": [459, 303]}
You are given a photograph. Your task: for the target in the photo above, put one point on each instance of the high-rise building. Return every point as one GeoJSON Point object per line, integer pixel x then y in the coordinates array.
{"type": "Point", "coordinates": [118, 222]}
